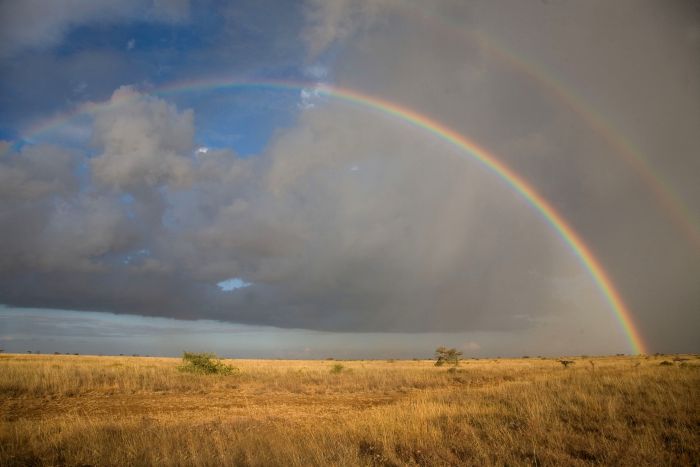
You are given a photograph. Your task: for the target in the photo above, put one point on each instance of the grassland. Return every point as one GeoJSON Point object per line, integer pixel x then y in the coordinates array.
{"type": "Point", "coordinates": [81, 410]}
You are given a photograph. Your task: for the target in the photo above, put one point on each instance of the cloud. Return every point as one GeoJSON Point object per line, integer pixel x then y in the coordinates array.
{"type": "Point", "coordinates": [309, 97]}
{"type": "Point", "coordinates": [82, 230]}
{"type": "Point", "coordinates": [421, 237]}
{"type": "Point", "coordinates": [36, 172]}
{"type": "Point", "coordinates": [395, 246]}
{"type": "Point", "coordinates": [471, 345]}
{"type": "Point", "coordinates": [38, 24]}
{"type": "Point", "coordinates": [337, 20]}
{"type": "Point", "coordinates": [554, 99]}
{"type": "Point", "coordinates": [316, 71]}
{"type": "Point", "coordinates": [146, 142]}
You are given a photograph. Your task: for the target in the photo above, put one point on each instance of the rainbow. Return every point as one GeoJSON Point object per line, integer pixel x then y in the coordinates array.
{"type": "Point", "coordinates": [466, 146]}
{"type": "Point", "coordinates": [671, 203]}
{"type": "Point", "coordinates": [669, 200]}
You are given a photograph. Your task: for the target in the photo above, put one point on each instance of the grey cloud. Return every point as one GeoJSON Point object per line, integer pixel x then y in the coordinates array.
{"type": "Point", "coordinates": [30, 179]}
{"type": "Point", "coordinates": [48, 224]}
{"type": "Point", "coordinates": [629, 84]}
{"type": "Point", "coordinates": [337, 20]}
{"type": "Point", "coordinates": [36, 172]}
{"type": "Point", "coordinates": [80, 230]}
{"type": "Point", "coordinates": [145, 142]}
{"type": "Point", "coordinates": [336, 232]}
{"type": "Point", "coordinates": [354, 221]}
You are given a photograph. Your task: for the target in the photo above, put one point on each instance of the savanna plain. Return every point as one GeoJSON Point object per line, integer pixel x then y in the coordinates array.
{"type": "Point", "coordinates": [90, 410]}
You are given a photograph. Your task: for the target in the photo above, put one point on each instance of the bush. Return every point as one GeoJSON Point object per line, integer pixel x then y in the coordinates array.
{"type": "Point", "coordinates": [337, 368]}
{"type": "Point", "coordinates": [444, 355]}
{"type": "Point", "coordinates": [205, 363]}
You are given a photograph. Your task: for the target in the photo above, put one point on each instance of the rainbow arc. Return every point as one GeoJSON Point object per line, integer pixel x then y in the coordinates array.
{"type": "Point", "coordinates": [466, 146]}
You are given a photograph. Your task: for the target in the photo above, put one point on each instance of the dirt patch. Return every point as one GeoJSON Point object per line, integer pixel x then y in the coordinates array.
{"type": "Point", "coordinates": [165, 405]}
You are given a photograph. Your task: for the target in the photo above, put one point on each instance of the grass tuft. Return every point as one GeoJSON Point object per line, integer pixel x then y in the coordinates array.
{"type": "Point", "coordinates": [337, 368]}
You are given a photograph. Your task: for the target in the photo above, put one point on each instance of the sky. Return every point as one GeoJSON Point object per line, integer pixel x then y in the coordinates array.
{"type": "Point", "coordinates": [150, 205]}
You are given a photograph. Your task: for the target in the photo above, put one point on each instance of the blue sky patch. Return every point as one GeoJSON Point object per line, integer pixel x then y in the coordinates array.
{"type": "Point", "coordinates": [232, 284]}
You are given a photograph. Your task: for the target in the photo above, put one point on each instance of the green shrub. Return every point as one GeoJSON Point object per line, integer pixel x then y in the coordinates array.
{"type": "Point", "coordinates": [444, 355]}
{"type": "Point", "coordinates": [337, 368]}
{"type": "Point", "coordinates": [205, 363]}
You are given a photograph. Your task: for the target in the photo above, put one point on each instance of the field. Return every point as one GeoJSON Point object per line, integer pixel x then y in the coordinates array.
{"type": "Point", "coordinates": [85, 410]}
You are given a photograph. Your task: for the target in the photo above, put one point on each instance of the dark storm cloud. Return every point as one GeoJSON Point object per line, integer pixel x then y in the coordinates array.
{"type": "Point", "coordinates": [354, 221]}
{"type": "Point", "coordinates": [389, 232]}
{"type": "Point", "coordinates": [633, 71]}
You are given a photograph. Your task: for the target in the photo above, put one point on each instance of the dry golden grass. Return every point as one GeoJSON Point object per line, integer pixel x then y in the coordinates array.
{"type": "Point", "coordinates": [79, 410]}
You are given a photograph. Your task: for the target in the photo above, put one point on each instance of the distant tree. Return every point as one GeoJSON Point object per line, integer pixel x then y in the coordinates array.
{"type": "Point", "coordinates": [444, 355]}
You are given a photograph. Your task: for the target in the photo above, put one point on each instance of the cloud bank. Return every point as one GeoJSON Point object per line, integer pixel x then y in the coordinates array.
{"type": "Point", "coordinates": [388, 232]}
{"type": "Point", "coordinates": [350, 220]}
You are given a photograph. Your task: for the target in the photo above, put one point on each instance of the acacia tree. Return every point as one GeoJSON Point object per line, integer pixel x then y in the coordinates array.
{"type": "Point", "coordinates": [444, 355]}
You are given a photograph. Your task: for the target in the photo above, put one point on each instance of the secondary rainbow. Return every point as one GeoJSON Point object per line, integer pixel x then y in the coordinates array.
{"type": "Point", "coordinates": [432, 126]}
{"type": "Point", "coordinates": [673, 205]}
{"type": "Point", "coordinates": [665, 195]}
